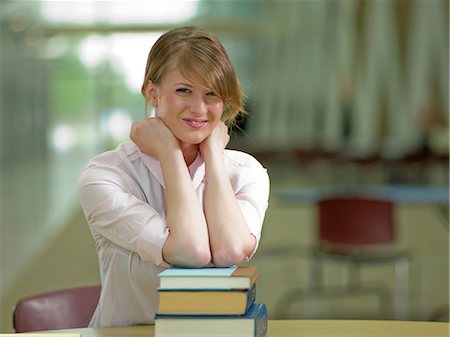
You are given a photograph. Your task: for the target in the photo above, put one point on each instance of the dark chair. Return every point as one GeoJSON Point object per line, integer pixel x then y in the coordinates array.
{"type": "Point", "coordinates": [61, 309]}
{"type": "Point", "coordinates": [358, 231]}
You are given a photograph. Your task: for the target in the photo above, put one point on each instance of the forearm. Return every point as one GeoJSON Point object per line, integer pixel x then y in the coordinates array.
{"type": "Point", "coordinates": [188, 242]}
{"type": "Point", "coordinates": [230, 238]}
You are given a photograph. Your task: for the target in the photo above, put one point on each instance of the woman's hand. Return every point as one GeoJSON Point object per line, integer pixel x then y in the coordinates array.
{"type": "Point", "coordinates": [216, 141]}
{"type": "Point", "coordinates": [153, 137]}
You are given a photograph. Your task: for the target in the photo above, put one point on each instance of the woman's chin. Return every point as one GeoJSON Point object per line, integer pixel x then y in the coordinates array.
{"type": "Point", "coordinates": [193, 140]}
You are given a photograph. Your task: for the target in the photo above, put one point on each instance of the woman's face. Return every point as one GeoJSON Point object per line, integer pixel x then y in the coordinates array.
{"type": "Point", "coordinates": [189, 109]}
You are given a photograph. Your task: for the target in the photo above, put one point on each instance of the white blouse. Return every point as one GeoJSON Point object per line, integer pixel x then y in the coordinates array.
{"type": "Point", "coordinates": [122, 194]}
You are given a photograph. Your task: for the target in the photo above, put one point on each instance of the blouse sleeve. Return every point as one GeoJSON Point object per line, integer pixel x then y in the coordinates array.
{"type": "Point", "coordinates": [112, 209]}
{"type": "Point", "coordinates": [253, 198]}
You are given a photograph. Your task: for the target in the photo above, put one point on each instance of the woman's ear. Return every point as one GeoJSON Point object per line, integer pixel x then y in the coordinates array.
{"type": "Point", "coordinates": [151, 91]}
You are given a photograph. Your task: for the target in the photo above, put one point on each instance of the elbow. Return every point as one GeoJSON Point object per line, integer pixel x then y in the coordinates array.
{"type": "Point", "coordinates": [229, 255]}
{"type": "Point", "coordinates": [198, 257]}
{"type": "Point", "coordinates": [186, 256]}
{"type": "Point", "coordinates": [195, 257]}
{"type": "Point", "coordinates": [227, 258]}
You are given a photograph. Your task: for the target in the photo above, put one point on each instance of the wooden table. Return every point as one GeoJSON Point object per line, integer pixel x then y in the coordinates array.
{"type": "Point", "coordinates": [291, 328]}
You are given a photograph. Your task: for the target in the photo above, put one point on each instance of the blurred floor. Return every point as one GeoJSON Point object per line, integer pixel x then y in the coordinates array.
{"type": "Point", "coordinates": [70, 259]}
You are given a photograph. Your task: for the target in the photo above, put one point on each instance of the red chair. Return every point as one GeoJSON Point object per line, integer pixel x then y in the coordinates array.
{"type": "Point", "coordinates": [356, 230]}
{"type": "Point", "coordinates": [61, 309]}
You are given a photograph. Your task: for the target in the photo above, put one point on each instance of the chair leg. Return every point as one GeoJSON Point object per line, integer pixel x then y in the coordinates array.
{"type": "Point", "coordinates": [316, 273]}
{"type": "Point", "coordinates": [292, 296]}
{"type": "Point", "coordinates": [286, 301]}
{"type": "Point", "coordinates": [354, 284]}
{"type": "Point", "coordinates": [354, 275]}
{"type": "Point", "coordinates": [385, 297]}
{"type": "Point", "coordinates": [401, 297]}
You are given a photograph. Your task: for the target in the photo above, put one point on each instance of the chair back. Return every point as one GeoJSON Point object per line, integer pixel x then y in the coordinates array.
{"type": "Point", "coordinates": [354, 220]}
{"type": "Point", "coordinates": [61, 309]}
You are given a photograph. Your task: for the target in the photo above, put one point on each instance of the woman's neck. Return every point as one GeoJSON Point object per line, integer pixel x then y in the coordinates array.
{"type": "Point", "coordinates": [190, 152]}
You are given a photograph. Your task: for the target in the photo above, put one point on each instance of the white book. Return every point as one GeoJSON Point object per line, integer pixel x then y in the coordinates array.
{"type": "Point", "coordinates": [237, 277]}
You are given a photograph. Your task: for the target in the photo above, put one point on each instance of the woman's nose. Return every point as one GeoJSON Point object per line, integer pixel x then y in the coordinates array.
{"type": "Point", "coordinates": [198, 105]}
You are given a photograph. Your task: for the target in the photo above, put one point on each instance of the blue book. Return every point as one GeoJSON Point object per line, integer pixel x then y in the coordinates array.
{"type": "Point", "coordinates": [252, 324]}
{"type": "Point", "coordinates": [206, 302]}
{"type": "Point", "coordinates": [237, 277]}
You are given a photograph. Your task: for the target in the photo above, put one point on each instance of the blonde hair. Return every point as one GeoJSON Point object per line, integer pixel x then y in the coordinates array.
{"type": "Point", "coordinates": [201, 57]}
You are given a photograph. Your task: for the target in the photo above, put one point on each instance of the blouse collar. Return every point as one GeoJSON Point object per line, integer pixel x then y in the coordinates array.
{"type": "Point", "coordinates": [196, 169]}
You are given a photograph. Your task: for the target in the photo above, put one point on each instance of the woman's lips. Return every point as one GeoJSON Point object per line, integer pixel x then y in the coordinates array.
{"type": "Point", "coordinates": [195, 123]}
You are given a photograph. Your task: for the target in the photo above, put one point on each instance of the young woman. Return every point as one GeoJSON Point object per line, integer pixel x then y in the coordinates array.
{"type": "Point", "coordinates": [174, 195]}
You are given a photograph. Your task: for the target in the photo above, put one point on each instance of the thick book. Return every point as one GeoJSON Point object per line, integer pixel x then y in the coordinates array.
{"type": "Point", "coordinates": [206, 302]}
{"type": "Point", "coordinates": [237, 277]}
{"type": "Point", "coordinates": [252, 324]}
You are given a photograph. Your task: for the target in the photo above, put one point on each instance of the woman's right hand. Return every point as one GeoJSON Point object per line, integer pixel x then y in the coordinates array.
{"type": "Point", "coordinates": [153, 137]}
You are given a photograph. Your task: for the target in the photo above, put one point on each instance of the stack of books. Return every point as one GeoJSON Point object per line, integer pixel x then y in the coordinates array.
{"type": "Point", "coordinates": [210, 302]}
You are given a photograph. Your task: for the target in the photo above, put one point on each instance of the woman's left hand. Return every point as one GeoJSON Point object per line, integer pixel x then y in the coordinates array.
{"type": "Point", "coordinates": [217, 140]}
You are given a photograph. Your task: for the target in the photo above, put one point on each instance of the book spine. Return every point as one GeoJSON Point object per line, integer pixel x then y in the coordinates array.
{"type": "Point", "coordinates": [261, 320]}
{"type": "Point", "coordinates": [251, 297]}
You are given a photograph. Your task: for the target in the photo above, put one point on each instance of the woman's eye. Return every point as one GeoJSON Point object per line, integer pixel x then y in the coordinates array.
{"type": "Point", "coordinates": [211, 94]}
{"type": "Point", "coordinates": [183, 90]}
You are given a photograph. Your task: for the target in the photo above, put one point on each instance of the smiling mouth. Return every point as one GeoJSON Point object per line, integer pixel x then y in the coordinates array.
{"type": "Point", "coordinates": [195, 123]}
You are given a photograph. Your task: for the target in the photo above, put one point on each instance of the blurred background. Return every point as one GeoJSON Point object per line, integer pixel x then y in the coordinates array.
{"type": "Point", "coordinates": [339, 93]}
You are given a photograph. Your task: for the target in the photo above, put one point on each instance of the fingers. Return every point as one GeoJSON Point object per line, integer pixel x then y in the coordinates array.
{"type": "Point", "coordinates": [135, 128]}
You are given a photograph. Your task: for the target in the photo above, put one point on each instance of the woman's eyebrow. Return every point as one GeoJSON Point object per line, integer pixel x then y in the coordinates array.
{"type": "Point", "coordinates": [192, 85]}
{"type": "Point", "coordinates": [184, 83]}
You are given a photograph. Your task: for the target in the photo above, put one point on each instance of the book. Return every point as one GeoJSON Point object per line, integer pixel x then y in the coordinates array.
{"type": "Point", "coordinates": [206, 302]}
{"type": "Point", "coordinates": [42, 334]}
{"type": "Point", "coordinates": [237, 277]}
{"type": "Point", "coordinates": [252, 324]}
